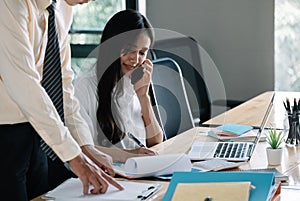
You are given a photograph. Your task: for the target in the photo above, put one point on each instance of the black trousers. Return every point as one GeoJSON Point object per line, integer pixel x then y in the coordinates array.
{"type": "Point", "coordinates": [25, 170]}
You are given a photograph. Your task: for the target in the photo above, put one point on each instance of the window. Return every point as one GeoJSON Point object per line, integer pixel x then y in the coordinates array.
{"type": "Point", "coordinates": [88, 22]}
{"type": "Point", "coordinates": [287, 45]}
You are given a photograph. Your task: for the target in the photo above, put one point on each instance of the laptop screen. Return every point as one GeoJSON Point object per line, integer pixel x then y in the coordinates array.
{"type": "Point", "coordinates": [263, 123]}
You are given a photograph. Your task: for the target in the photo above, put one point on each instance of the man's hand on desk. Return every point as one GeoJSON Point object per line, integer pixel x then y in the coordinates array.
{"type": "Point", "coordinates": [89, 173]}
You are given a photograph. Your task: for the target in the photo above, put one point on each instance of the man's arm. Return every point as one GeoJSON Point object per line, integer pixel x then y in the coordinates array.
{"type": "Point", "coordinates": [20, 74]}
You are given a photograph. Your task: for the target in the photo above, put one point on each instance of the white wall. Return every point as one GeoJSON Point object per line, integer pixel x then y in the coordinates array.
{"type": "Point", "coordinates": [237, 34]}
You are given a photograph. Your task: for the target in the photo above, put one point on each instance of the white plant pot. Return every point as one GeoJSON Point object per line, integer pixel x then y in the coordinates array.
{"type": "Point", "coordinates": [274, 156]}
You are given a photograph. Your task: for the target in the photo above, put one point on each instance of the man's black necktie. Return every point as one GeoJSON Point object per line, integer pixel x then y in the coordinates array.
{"type": "Point", "coordinates": [52, 75]}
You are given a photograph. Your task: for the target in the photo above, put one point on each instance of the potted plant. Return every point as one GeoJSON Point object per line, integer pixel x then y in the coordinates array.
{"type": "Point", "coordinates": [274, 152]}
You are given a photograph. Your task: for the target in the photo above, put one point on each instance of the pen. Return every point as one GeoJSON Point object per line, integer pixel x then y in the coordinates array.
{"type": "Point", "coordinates": [136, 140]}
{"type": "Point", "coordinates": [285, 106]}
{"type": "Point", "coordinates": [288, 105]}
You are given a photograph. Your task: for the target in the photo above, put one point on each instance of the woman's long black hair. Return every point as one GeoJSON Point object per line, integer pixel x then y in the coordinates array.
{"type": "Point", "coordinates": [120, 31]}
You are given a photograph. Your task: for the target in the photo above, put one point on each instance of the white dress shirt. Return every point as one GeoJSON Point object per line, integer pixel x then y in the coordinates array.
{"type": "Point", "coordinates": [125, 107]}
{"type": "Point", "coordinates": [23, 41]}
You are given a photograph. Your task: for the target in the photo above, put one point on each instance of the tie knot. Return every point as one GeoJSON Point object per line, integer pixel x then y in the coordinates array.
{"type": "Point", "coordinates": [52, 6]}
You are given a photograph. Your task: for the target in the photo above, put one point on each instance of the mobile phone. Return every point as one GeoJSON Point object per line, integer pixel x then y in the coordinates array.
{"type": "Point", "coordinates": [137, 74]}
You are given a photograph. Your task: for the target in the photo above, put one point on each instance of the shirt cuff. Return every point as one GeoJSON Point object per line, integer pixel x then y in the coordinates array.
{"type": "Point", "coordinates": [67, 150]}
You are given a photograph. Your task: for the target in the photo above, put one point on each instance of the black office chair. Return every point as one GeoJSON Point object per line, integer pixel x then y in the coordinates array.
{"type": "Point", "coordinates": [170, 97]}
{"type": "Point", "coordinates": [185, 51]}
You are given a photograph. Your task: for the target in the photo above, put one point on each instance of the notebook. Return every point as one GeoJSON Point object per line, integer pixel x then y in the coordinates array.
{"type": "Point", "coordinates": [231, 151]}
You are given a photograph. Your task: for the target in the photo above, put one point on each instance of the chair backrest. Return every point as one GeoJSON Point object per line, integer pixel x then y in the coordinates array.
{"type": "Point", "coordinates": [185, 51]}
{"type": "Point", "coordinates": [170, 97]}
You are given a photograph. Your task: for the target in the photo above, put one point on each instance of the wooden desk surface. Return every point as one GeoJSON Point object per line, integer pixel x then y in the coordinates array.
{"type": "Point", "coordinates": [250, 113]}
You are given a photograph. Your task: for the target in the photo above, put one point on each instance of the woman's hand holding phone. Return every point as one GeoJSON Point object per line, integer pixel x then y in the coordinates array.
{"type": "Point", "coordinates": [137, 74]}
{"type": "Point", "coordinates": [142, 76]}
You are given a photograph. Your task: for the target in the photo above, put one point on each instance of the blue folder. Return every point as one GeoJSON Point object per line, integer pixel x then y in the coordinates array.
{"type": "Point", "coordinates": [263, 181]}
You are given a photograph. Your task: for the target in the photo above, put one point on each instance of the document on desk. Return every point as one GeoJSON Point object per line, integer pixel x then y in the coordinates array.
{"type": "Point", "coordinates": [71, 190]}
{"type": "Point", "coordinates": [148, 166]}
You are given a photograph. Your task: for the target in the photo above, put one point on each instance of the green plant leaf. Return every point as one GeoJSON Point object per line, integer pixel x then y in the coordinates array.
{"type": "Point", "coordinates": [275, 138]}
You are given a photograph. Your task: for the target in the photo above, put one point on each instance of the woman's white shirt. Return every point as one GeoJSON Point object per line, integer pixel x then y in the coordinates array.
{"type": "Point", "coordinates": [125, 105]}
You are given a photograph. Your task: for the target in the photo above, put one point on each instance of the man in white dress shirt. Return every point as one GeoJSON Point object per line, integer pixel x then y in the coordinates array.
{"type": "Point", "coordinates": [28, 114]}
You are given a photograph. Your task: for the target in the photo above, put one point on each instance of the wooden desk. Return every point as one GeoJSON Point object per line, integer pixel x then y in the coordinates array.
{"type": "Point", "coordinates": [251, 113]}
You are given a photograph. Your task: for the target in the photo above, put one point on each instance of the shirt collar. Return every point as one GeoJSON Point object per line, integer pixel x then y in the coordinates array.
{"type": "Point", "coordinates": [43, 4]}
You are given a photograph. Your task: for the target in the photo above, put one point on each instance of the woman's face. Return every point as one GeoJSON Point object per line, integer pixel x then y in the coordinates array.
{"type": "Point", "coordinates": [135, 54]}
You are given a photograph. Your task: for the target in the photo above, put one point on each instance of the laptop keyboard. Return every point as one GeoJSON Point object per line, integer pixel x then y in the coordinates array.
{"type": "Point", "coordinates": [231, 150]}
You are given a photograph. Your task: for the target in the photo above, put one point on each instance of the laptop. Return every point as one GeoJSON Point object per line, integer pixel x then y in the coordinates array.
{"type": "Point", "coordinates": [231, 151]}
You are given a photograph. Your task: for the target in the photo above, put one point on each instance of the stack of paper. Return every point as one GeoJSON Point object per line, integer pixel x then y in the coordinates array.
{"type": "Point", "coordinates": [216, 164]}
{"type": "Point", "coordinates": [72, 190]}
{"type": "Point", "coordinates": [279, 177]}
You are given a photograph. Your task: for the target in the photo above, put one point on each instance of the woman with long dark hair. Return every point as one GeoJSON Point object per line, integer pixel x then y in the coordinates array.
{"type": "Point", "coordinates": [118, 106]}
